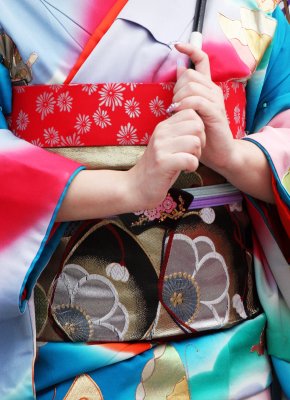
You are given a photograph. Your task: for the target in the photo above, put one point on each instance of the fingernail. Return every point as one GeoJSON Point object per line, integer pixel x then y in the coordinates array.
{"type": "Point", "coordinates": [172, 108]}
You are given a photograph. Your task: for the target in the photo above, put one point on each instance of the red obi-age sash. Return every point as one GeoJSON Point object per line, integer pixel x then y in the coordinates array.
{"type": "Point", "coordinates": [107, 114]}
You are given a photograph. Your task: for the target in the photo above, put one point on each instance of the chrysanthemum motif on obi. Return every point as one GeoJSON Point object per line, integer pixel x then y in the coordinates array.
{"type": "Point", "coordinates": [181, 295]}
{"type": "Point", "coordinates": [101, 118]}
{"type": "Point", "coordinates": [64, 102]}
{"type": "Point", "coordinates": [132, 108]}
{"type": "Point", "coordinates": [196, 283]}
{"type": "Point", "coordinates": [157, 106]}
{"type": "Point", "coordinates": [87, 306]}
{"type": "Point", "coordinates": [127, 135]}
{"type": "Point", "coordinates": [45, 104]}
{"type": "Point", "coordinates": [74, 321]}
{"type": "Point", "coordinates": [111, 95]}
{"type": "Point", "coordinates": [83, 124]}
{"type": "Point", "coordinates": [22, 121]}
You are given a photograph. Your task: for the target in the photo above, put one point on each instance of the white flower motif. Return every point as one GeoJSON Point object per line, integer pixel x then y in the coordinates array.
{"type": "Point", "coordinates": [157, 107]}
{"type": "Point", "coordinates": [244, 115]}
{"type": "Point", "coordinates": [226, 90]}
{"type": "Point", "coordinates": [237, 114]}
{"type": "Point", "coordinates": [117, 272]}
{"type": "Point", "coordinates": [78, 289]}
{"type": "Point", "coordinates": [45, 104]}
{"type": "Point", "coordinates": [167, 85]}
{"type": "Point", "coordinates": [127, 135]}
{"type": "Point", "coordinates": [55, 88]}
{"type": "Point", "coordinates": [145, 139]}
{"type": "Point", "coordinates": [207, 215]}
{"type": "Point", "coordinates": [51, 136]}
{"type": "Point", "coordinates": [185, 291]}
{"type": "Point", "coordinates": [90, 88]}
{"type": "Point", "coordinates": [101, 118]}
{"type": "Point", "coordinates": [132, 108]}
{"type": "Point", "coordinates": [132, 86]}
{"type": "Point", "coordinates": [64, 102]}
{"type": "Point", "coordinates": [235, 86]}
{"type": "Point", "coordinates": [19, 89]}
{"type": "Point", "coordinates": [83, 124]}
{"type": "Point", "coordinates": [22, 120]}
{"type": "Point", "coordinates": [70, 141]}
{"type": "Point", "coordinates": [37, 142]}
{"type": "Point", "coordinates": [111, 95]}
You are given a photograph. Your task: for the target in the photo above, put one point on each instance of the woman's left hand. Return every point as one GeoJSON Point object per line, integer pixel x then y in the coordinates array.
{"type": "Point", "coordinates": [195, 90]}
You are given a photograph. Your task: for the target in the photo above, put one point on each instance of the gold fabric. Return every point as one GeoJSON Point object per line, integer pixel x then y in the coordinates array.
{"type": "Point", "coordinates": [84, 388]}
{"type": "Point", "coordinates": [107, 157]}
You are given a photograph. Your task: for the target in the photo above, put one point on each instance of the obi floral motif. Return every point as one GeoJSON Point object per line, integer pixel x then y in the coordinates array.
{"type": "Point", "coordinates": [192, 264]}
{"type": "Point", "coordinates": [83, 316]}
{"type": "Point", "coordinates": [167, 209]}
{"type": "Point", "coordinates": [106, 114]}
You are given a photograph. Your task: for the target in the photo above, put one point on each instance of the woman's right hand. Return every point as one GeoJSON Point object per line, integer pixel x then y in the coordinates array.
{"type": "Point", "coordinates": [175, 146]}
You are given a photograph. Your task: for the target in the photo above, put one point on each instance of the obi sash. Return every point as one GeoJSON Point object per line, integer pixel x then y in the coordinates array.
{"type": "Point", "coordinates": [183, 267]}
{"type": "Point", "coordinates": [104, 114]}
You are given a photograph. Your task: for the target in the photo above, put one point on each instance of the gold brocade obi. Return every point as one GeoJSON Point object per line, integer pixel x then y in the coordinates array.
{"type": "Point", "coordinates": [182, 268]}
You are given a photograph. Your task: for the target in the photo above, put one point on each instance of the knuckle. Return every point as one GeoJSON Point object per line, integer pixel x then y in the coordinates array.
{"type": "Point", "coordinates": [199, 126]}
{"type": "Point", "coordinates": [196, 142]}
{"type": "Point", "coordinates": [190, 113]}
{"type": "Point", "coordinates": [191, 86]}
{"type": "Point", "coordinates": [156, 146]}
{"type": "Point", "coordinates": [189, 74]}
{"type": "Point", "coordinates": [158, 159]}
{"type": "Point", "coordinates": [192, 163]}
{"type": "Point", "coordinates": [201, 101]}
{"type": "Point", "coordinates": [159, 127]}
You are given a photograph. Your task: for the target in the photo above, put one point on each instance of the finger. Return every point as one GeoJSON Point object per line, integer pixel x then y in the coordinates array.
{"type": "Point", "coordinates": [195, 89]}
{"type": "Point", "coordinates": [181, 162]}
{"type": "Point", "coordinates": [205, 108]}
{"type": "Point", "coordinates": [180, 68]}
{"type": "Point", "coordinates": [183, 115]}
{"type": "Point", "coordinates": [162, 137]}
{"type": "Point", "coordinates": [191, 75]}
{"type": "Point", "coordinates": [197, 56]}
{"type": "Point", "coordinates": [184, 144]}
{"type": "Point", "coordinates": [193, 128]}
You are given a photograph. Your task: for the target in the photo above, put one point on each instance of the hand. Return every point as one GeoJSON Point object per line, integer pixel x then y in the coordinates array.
{"type": "Point", "coordinates": [196, 90]}
{"type": "Point", "coordinates": [175, 146]}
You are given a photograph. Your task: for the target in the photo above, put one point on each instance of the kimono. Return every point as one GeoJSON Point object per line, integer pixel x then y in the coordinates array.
{"type": "Point", "coordinates": [113, 319]}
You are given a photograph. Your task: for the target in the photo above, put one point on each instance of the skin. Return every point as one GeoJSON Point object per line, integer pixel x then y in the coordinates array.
{"type": "Point", "coordinates": [197, 131]}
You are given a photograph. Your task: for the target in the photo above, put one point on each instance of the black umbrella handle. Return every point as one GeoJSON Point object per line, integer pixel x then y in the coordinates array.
{"type": "Point", "coordinates": [197, 27]}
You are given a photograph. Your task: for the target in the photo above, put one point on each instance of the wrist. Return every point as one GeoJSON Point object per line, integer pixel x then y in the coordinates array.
{"type": "Point", "coordinates": [234, 162]}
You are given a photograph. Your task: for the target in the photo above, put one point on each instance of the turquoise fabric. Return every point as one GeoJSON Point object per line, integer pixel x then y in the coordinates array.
{"type": "Point", "coordinates": [275, 95]}
{"type": "Point", "coordinates": [5, 95]}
